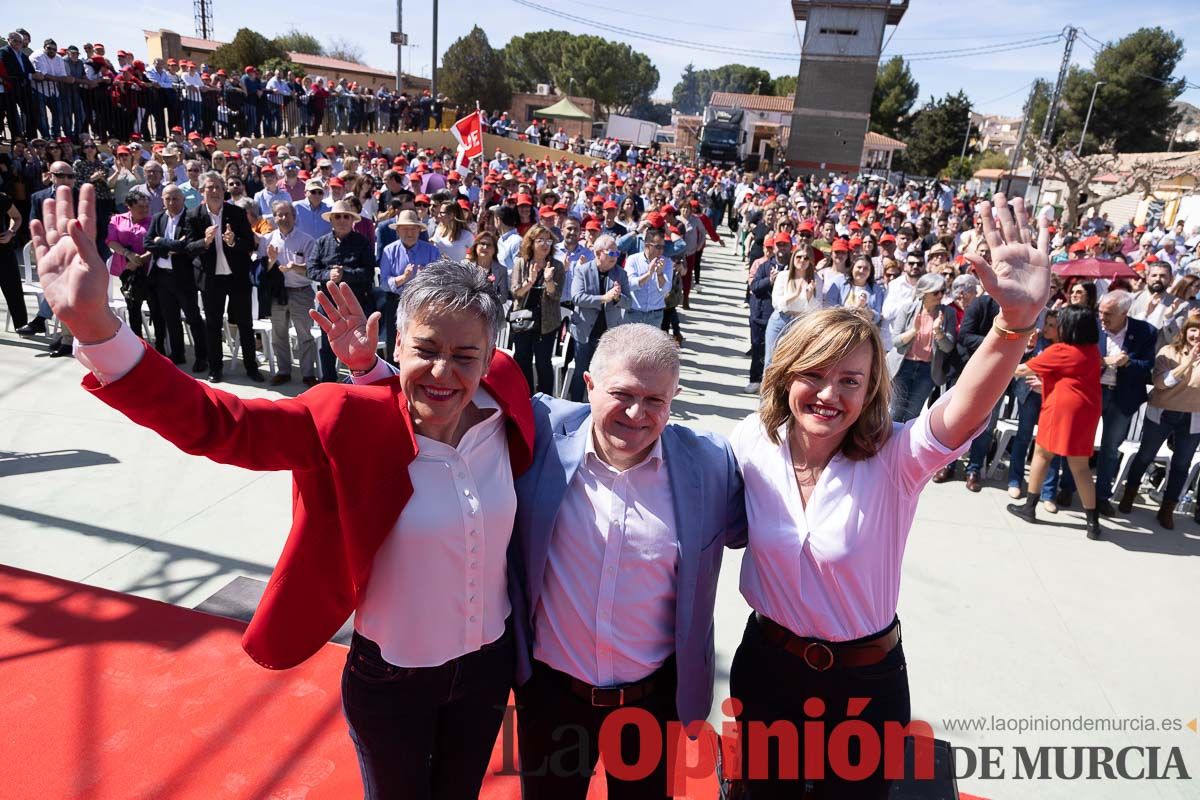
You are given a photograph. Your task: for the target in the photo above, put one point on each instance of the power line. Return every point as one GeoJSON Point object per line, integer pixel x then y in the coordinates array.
{"type": "Point", "coordinates": [777, 55]}
{"type": "Point", "coordinates": [1005, 96]}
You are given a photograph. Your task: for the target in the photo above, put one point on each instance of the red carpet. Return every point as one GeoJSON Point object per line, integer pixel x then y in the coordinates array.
{"type": "Point", "coordinates": [106, 696]}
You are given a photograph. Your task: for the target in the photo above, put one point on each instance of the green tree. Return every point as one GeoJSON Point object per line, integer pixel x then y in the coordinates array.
{"type": "Point", "coordinates": [649, 110]}
{"type": "Point", "coordinates": [472, 71]}
{"type": "Point", "coordinates": [992, 159]}
{"type": "Point", "coordinates": [296, 41]}
{"type": "Point", "coordinates": [1037, 116]}
{"type": "Point", "coordinates": [613, 74]}
{"type": "Point", "coordinates": [686, 94]}
{"type": "Point", "coordinates": [895, 93]}
{"type": "Point", "coordinates": [248, 48]}
{"type": "Point", "coordinates": [936, 135]}
{"type": "Point", "coordinates": [272, 64]}
{"type": "Point", "coordinates": [737, 78]}
{"type": "Point", "coordinates": [1134, 110]}
{"type": "Point", "coordinates": [785, 85]}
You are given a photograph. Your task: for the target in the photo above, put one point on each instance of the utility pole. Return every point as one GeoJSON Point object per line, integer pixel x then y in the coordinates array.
{"type": "Point", "coordinates": [966, 138]}
{"type": "Point", "coordinates": [1052, 111]}
{"type": "Point", "coordinates": [433, 58]}
{"type": "Point", "coordinates": [202, 13]}
{"type": "Point", "coordinates": [400, 46]}
{"type": "Point", "coordinates": [1016, 156]}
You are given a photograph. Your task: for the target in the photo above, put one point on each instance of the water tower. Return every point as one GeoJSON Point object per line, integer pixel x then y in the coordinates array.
{"type": "Point", "coordinates": [838, 63]}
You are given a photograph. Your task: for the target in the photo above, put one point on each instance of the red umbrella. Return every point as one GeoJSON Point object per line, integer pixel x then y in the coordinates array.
{"type": "Point", "coordinates": [1093, 268]}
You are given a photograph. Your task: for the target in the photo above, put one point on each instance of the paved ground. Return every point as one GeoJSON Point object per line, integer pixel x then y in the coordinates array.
{"type": "Point", "coordinates": [1001, 619]}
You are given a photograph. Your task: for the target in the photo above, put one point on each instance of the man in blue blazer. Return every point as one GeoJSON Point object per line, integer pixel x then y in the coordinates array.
{"type": "Point", "coordinates": [600, 293]}
{"type": "Point", "coordinates": [621, 523]}
{"type": "Point", "coordinates": [1127, 347]}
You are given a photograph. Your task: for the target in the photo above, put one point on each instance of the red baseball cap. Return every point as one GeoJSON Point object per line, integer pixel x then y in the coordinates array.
{"type": "Point", "coordinates": [592, 225]}
{"type": "Point", "coordinates": [524, 200]}
{"type": "Point", "coordinates": [421, 200]}
{"type": "Point", "coordinates": [336, 182]}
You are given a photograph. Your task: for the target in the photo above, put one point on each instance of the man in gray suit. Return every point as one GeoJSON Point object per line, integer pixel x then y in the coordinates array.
{"type": "Point", "coordinates": [621, 524]}
{"type": "Point", "coordinates": [600, 292]}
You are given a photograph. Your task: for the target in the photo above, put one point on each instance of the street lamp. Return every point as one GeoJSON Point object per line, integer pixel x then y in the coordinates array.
{"type": "Point", "coordinates": [570, 86]}
{"type": "Point", "coordinates": [1088, 118]}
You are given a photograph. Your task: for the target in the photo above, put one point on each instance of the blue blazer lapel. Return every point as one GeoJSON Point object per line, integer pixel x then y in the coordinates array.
{"type": "Point", "coordinates": [686, 501]}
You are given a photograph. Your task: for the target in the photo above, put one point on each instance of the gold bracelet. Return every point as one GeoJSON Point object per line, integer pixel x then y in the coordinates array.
{"type": "Point", "coordinates": [1012, 335]}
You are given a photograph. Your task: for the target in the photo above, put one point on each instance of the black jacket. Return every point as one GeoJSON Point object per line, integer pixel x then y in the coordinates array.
{"type": "Point", "coordinates": [182, 262]}
{"type": "Point", "coordinates": [760, 293]}
{"type": "Point", "coordinates": [237, 256]}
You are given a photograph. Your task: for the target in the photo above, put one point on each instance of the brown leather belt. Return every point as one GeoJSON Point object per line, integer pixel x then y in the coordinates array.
{"type": "Point", "coordinates": [823, 656]}
{"type": "Point", "coordinates": [605, 696]}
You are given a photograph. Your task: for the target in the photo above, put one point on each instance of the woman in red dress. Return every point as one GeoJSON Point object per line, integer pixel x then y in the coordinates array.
{"type": "Point", "coordinates": [1070, 374]}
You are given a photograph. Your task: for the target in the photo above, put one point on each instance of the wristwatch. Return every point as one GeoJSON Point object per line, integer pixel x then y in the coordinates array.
{"type": "Point", "coordinates": [1012, 335]}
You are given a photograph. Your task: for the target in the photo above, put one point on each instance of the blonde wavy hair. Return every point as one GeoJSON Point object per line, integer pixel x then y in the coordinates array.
{"type": "Point", "coordinates": [817, 340]}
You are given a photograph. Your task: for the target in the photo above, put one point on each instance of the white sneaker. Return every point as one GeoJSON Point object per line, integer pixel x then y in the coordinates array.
{"type": "Point", "coordinates": [1014, 492]}
{"type": "Point", "coordinates": [1049, 506]}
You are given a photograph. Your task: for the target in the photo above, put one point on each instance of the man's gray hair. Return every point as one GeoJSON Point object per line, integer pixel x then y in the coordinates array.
{"type": "Point", "coordinates": [635, 344]}
{"type": "Point", "coordinates": [212, 175]}
{"type": "Point", "coordinates": [929, 282]}
{"type": "Point", "coordinates": [604, 241]}
{"type": "Point", "coordinates": [964, 283]}
{"type": "Point", "coordinates": [1120, 297]}
{"type": "Point", "coordinates": [450, 286]}
{"type": "Point", "coordinates": [280, 203]}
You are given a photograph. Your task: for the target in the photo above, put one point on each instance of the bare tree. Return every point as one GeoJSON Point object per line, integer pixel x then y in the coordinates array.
{"type": "Point", "coordinates": [1141, 173]}
{"type": "Point", "coordinates": [345, 50]}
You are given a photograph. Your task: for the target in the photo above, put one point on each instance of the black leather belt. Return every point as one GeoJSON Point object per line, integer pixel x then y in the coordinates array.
{"type": "Point", "coordinates": [609, 696]}
{"type": "Point", "coordinates": [821, 655]}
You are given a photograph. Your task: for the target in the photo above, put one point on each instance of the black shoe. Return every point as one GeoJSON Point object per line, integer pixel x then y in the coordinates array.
{"type": "Point", "coordinates": [33, 328]}
{"type": "Point", "coordinates": [61, 351]}
{"type": "Point", "coordinates": [311, 380]}
{"type": "Point", "coordinates": [1063, 498]}
{"type": "Point", "coordinates": [281, 379]}
{"type": "Point", "coordinates": [215, 377]}
{"type": "Point", "coordinates": [200, 366]}
{"type": "Point", "coordinates": [1105, 508]}
{"type": "Point", "coordinates": [1093, 523]}
{"type": "Point", "coordinates": [255, 375]}
{"type": "Point", "coordinates": [179, 360]}
{"type": "Point", "coordinates": [1027, 510]}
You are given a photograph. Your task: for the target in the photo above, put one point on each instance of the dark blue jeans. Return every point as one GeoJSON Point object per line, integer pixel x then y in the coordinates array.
{"type": "Point", "coordinates": [981, 443]}
{"type": "Point", "coordinates": [1116, 428]}
{"type": "Point", "coordinates": [1030, 409]}
{"type": "Point", "coordinates": [1154, 434]}
{"type": "Point", "coordinates": [426, 733]}
{"type": "Point", "coordinates": [583, 360]}
{"type": "Point", "coordinates": [910, 389]}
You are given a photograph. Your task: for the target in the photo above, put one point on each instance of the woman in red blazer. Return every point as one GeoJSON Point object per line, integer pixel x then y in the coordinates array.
{"type": "Point", "coordinates": [430, 667]}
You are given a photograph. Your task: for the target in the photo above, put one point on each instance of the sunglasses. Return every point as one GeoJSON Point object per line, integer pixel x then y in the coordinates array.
{"type": "Point", "coordinates": [63, 174]}
{"type": "Point", "coordinates": [915, 263]}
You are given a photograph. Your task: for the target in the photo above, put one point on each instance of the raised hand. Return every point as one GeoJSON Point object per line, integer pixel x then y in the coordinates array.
{"type": "Point", "coordinates": [1018, 277]}
{"type": "Point", "coordinates": [74, 278]}
{"type": "Point", "coordinates": [353, 336]}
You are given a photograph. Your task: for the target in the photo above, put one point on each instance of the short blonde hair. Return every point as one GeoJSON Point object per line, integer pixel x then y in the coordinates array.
{"type": "Point", "coordinates": [816, 340]}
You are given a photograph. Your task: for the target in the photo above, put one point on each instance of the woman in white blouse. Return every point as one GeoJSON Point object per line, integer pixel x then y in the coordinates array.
{"type": "Point", "coordinates": [452, 236]}
{"type": "Point", "coordinates": [796, 289]}
{"type": "Point", "coordinates": [832, 486]}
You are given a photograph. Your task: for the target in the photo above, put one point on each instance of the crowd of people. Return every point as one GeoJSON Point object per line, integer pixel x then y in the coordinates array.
{"type": "Point", "coordinates": [900, 256]}
{"type": "Point", "coordinates": [66, 92]}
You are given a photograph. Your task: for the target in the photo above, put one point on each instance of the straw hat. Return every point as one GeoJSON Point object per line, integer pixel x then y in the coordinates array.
{"type": "Point", "coordinates": [341, 207]}
{"type": "Point", "coordinates": [407, 218]}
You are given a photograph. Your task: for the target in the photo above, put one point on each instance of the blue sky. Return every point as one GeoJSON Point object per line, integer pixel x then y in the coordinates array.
{"type": "Point", "coordinates": [998, 83]}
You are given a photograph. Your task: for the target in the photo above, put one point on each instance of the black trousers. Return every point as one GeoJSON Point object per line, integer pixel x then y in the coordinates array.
{"type": "Point", "coordinates": [758, 350]}
{"type": "Point", "coordinates": [558, 738]}
{"type": "Point", "coordinates": [426, 733]}
{"type": "Point", "coordinates": [773, 685]}
{"type": "Point", "coordinates": [177, 302]}
{"type": "Point", "coordinates": [532, 352]}
{"type": "Point", "coordinates": [10, 285]}
{"type": "Point", "coordinates": [156, 318]}
{"type": "Point", "coordinates": [227, 293]}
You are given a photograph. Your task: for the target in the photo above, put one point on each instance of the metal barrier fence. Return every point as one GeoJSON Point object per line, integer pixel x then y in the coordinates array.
{"type": "Point", "coordinates": [118, 109]}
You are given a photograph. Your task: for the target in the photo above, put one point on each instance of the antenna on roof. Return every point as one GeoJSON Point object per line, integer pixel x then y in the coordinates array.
{"type": "Point", "coordinates": [202, 10]}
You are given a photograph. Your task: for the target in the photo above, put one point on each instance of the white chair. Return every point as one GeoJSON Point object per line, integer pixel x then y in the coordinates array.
{"type": "Point", "coordinates": [558, 363]}
{"type": "Point", "coordinates": [1133, 442]}
{"type": "Point", "coordinates": [116, 300]}
{"type": "Point", "coordinates": [261, 327]}
{"type": "Point", "coordinates": [29, 283]}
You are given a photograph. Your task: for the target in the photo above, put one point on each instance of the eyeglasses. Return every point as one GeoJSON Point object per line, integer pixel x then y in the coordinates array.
{"type": "Point", "coordinates": [915, 263]}
{"type": "Point", "coordinates": [192, 169]}
{"type": "Point", "coordinates": [63, 174]}
{"type": "Point", "coordinates": [543, 241]}
{"type": "Point", "coordinates": [612, 253]}
{"type": "Point", "coordinates": [484, 244]}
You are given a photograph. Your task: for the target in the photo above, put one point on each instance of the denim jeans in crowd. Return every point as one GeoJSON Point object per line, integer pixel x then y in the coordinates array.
{"type": "Point", "coordinates": [911, 388]}
{"type": "Point", "coordinates": [776, 325]}
{"type": "Point", "coordinates": [1178, 423]}
{"type": "Point", "coordinates": [1030, 410]}
{"type": "Point", "coordinates": [1115, 424]}
{"type": "Point", "coordinates": [49, 104]}
{"type": "Point", "coordinates": [426, 732]}
{"type": "Point", "coordinates": [649, 317]}
{"type": "Point", "coordinates": [981, 443]}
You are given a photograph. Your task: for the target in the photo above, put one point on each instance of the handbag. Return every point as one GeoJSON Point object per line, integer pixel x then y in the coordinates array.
{"type": "Point", "coordinates": [521, 319]}
{"type": "Point", "coordinates": [135, 286]}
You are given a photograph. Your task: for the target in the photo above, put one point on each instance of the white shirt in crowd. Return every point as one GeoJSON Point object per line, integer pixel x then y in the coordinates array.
{"type": "Point", "coordinates": [439, 583]}
{"type": "Point", "coordinates": [219, 242]}
{"type": "Point", "coordinates": [454, 250]}
{"type": "Point", "coordinates": [801, 302]}
{"type": "Point", "coordinates": [607, 609]}
{"type": "Point", "coordinates": [1115, 344]}
{"type": "Point", "coordinates": [295, 248]}
{"type": "Point", "coordinates": [170, 232]}
{"type": "Point", "coordinates": [832, 570]}
{"type": "Point", "coordinates": [49, 65]}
